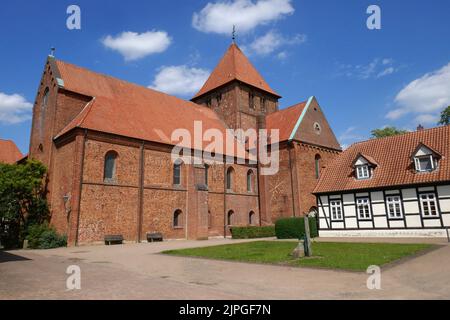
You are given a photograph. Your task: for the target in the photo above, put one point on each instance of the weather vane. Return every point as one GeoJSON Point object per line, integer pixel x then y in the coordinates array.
{"type": "Point", "coordinates": [234, 34]}
{"type": "Point", "coordinates": [52, 51]}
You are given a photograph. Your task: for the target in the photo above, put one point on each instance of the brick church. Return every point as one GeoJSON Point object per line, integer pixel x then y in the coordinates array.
{"type": "Point", "coordinates": [107, 146]}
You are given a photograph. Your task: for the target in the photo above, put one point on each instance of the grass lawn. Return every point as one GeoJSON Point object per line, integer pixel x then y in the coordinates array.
{"type": "Point", "coordinates": [347, 256]}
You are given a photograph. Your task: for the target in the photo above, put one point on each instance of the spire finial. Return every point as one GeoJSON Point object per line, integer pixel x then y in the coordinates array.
{"type": "Point", "coordinates": [234, 34]}
{"type": "Point", "coordinates": [52, 51]}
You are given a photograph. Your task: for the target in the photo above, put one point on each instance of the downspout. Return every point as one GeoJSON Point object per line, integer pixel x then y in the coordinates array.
{"type": "Point", "coordinates": [290, 143]}
{"type": "Point", "coordinates": [80, 185]}
{"type": "Point", "coordinates": [225, 198]}
{"type": "Point", "coordinates": [141, 193]}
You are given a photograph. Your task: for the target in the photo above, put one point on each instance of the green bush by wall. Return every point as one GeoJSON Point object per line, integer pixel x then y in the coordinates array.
{"type": "Point", "coordinates": [43, 236]}
{"type": "Point", "coordinates": [294, 228]}
{"type": "Point", "coordinates": [252, 232]}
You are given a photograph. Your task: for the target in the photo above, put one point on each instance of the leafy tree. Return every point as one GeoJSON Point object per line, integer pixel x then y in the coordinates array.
{"type": "Point", "coordinates": [22, 200]}
{"type": "Point", "coordinates": [445, 116]}
{"type": "Point", "coordinates": [387, 132]}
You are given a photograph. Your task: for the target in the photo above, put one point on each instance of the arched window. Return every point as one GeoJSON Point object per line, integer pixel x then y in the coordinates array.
{"type": "Point", "coordinates": [251, 218]}
{"type": "Point", "coordinates": [177, 172]}
{"type": "Point", "coordinates": [178, 219]}
{"type": "Point", "coordinates": [109, 173]}
{"type": "Point", "coordinates": [250, 181]}
{"type": "Point", "coordinates": [209, 219]}
{"type": "Point", "coordinates": [230, 218]}
{"type": "Point", "coordinates": [317, 165]}
{"type": "Point", "coordinates": [206, 174]}
{"type": "Point", "coordinates": [45, 98]}
{"type": "Point", "coordinates": [230, 174]}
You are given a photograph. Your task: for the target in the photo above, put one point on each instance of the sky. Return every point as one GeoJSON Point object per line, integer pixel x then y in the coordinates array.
{"type": "Point", "coordinates": [398, 75]}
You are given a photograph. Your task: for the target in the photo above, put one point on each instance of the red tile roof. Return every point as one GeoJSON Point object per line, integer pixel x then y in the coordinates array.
{"type": "Point", "coordinates": [9, 153]}
{"type": "Point", "coordinates": [285, 120]}
{"type": "Point", "coordinates": [393, 156]}
{"type": "Point", "coordinates": [130, 110]}
{"type": "Point", "coordinates": [234, 65]}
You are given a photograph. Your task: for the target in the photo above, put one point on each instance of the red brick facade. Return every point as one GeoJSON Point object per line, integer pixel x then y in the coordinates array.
{"type": "Point", "coordinates": [142, 197]}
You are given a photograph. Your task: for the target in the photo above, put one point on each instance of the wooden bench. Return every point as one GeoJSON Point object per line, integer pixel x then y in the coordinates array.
{"type": "Point", "coordinates": [113, 239]}
{"type": "Point", "coordinates": [154, 237]}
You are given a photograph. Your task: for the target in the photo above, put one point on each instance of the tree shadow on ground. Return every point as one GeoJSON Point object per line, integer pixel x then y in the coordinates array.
{"type": "Point", "coordinates": [8, 257]}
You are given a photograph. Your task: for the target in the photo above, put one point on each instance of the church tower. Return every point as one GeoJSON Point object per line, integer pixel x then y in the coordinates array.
{"type": "Point", "coordinates": [237, 92]}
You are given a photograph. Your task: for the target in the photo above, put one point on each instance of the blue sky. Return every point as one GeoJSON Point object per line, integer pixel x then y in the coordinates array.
{"type": "Point", "coordinates": [363, 79]}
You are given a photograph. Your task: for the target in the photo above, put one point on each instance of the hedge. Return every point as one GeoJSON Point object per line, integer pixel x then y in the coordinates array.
{"type": "Point", "coordinates": [294, 228]}
{"type": "Point", "coordinates": [43, 236]}
{"type": "Point", "coordinates": [252, 232]}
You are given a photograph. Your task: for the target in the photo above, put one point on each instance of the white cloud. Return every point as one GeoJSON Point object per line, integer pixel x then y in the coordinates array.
{"type": "Point", "coordinates": [134, 46]}
{"type": "Point", "coordinates": [349, 136]}
{"type": "Point", "coordinates": [272, 41]}
{"type": "Point", "coordinates": [219, 17]}
{"type": "Point", "coordinates": [179, 80]}
{"type": "Point", "coordinates": [425, 96]}
{"type": "Point", "coordinates": [427, 119]}
{"type": "Point", "coordinates": [377, 68]}
{"type": "Point", "coordinates": [14, 108]}
{"type": "Point", "coordinates": [386, 72]}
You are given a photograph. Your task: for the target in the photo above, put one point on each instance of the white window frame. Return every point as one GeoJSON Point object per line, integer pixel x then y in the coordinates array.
{"type": "Point", "coordinates": [426, 204]}
{"type": "Point", "coordinates": [336, 212]}
{"type": "Point", "coordinates": [362, 202]}
{"type": "Point", "coordinates": [394, 201]}
{"type": "Point", "coordinates": [363, 172]}
{"type": "Point", "coordinates": [417, 163]}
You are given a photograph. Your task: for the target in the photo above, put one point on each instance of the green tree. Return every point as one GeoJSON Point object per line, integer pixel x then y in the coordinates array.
{"type": "Point", "coordinates": [445, 117]}
{"type": "Point", "coordinates": [22, 200]}
{"type": "Point", "coordinates": [387, 132]}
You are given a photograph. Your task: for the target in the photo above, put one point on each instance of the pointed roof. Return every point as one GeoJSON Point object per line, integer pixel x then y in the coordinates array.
{"type": "Point", "coordinates": [234, 65]}
{"type": "Point", "coordinates": [127, 109]}
{"type": "Point", "coordinates": [285, 120]}
{"type": "Point", "coordinates": [9, 153]}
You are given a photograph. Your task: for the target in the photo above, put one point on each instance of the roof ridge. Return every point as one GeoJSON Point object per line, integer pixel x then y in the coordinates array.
{"type": "Point", "coordinates": [133, 84]}
{"type": "Point", "coordinates": [397, 135]}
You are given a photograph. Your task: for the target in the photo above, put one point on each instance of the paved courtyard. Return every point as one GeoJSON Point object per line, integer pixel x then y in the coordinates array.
{"type": "Point", "coordinates": [139, 271]}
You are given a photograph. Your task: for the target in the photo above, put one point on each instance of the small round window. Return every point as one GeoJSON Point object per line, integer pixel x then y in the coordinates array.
{"type": "Point", "coordinates": [317, 128]}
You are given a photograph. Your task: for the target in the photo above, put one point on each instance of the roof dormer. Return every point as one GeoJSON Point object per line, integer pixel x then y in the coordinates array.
{"type": "Point", "coordinates": [425, 159]}
{"type": "Point", "coordinates": [364, 166]}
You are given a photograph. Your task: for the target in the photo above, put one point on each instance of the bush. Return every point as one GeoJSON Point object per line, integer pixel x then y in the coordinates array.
{"type": "Point", "coordinates": [43, 236]}
{"type": "Point", "coordinates": [252, 232]}
{"type": "Point", "coordinates": [294, 228]}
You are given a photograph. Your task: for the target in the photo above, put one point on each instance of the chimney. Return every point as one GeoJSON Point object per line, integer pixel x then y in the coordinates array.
{"type": "Point", "coordinates": [420, 127]}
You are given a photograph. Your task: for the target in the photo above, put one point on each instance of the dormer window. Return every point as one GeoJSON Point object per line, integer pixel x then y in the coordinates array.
{"type": "Point", "coordinates": [364, 167]}
{"type": "Point", "coordinates": [425, 159]}
{"type": "Point", "coordinates": [424, 163]}
{"type": "Point", "coordinates": [363, 172]}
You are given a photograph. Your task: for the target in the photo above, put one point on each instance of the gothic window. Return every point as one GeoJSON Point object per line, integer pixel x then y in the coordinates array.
{"type": "Point", "coordinates": [230, 176]}
{"type": "Point", "coordinates": [317, 165]}
{"type": "Point", "coordinates": [230, 218]}
{"type": "Point", "coordinates": [250, 181]}
{"type": "Point", "coordinates": [263, 105]}
{"type": "Point", "coordinates": [251, 100]}
{"type": "Point", "coordinates": [177, 172]}
{"type": "Point", "coordinates": [109, 174]}
{"type": "Point", "coordinates": [206, 174]}
{"type": "Point", "coordinates": [178, 219]}
{"type": "Point", "coordinates": [251, 218]}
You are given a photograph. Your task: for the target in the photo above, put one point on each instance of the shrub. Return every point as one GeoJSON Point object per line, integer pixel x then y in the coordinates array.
{"type": "Point", "coordinates": [294, 228]}
{"type": "Point", "coordinates": [252, 232]}
{"type": "Point", "coordinates": [43, 236]}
